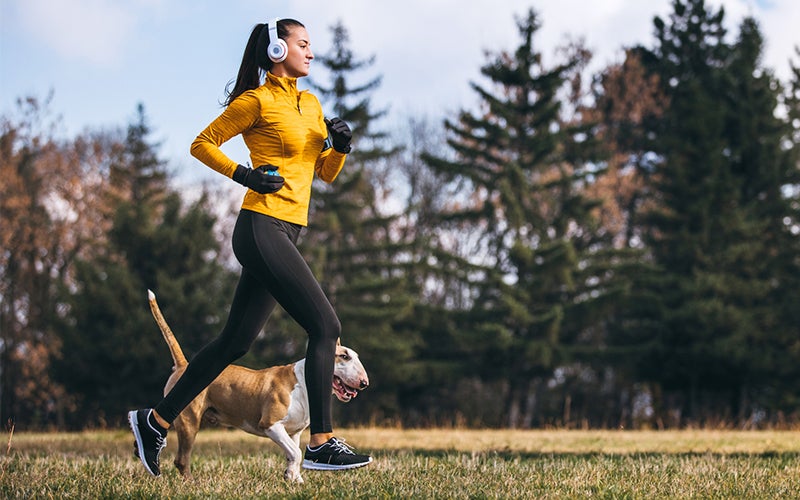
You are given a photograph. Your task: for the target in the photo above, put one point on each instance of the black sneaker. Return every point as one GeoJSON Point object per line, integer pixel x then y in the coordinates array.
{"type": "Point", "coordinates": [334, 454]}
{"type": "Point", "coordinates": [150, 439]}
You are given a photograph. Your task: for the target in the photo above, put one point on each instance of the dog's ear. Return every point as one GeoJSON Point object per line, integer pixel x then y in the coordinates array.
{"type": "Point", "coordinates": [338, 341]}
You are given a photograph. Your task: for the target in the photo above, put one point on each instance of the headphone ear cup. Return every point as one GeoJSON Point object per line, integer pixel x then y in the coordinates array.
{"type": "Point", "coordinates": [277, 50]}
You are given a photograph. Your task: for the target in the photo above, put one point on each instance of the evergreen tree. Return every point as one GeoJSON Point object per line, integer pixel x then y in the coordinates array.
{"type": "Point", "coordinates": [719, 206]}
{"type": "Point", "coordinates": [435, 391]}
{"type": "Point", "coordinates": [690, 52]}
{"type": "Point", "coordinates": [543, 272]}
{"type": "Point", "coordinates": [113, 355]}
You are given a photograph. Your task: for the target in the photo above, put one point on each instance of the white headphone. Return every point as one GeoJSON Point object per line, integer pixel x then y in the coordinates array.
{"type": "Point", "coordinates": [277, 49]}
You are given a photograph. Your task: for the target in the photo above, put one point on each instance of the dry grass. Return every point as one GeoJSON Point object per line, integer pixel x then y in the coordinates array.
{"type": "Point", "coordinates": [581, 442]}
{"type": "Point", "coordinates": [423, 464]}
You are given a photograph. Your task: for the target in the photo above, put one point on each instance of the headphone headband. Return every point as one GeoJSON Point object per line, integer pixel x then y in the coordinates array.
{"type": "Point", "coordinates": [272, 27]}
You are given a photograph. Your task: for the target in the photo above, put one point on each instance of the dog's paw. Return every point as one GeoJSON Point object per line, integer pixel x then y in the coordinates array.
{"type": "Point", "coordinates": [293, 476]}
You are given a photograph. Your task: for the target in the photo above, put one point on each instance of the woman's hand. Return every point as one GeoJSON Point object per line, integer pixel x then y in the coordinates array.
{"type": "Point", "coordinates": [340, 134]}
{"type": "Point", "coordinates": [263, 180]}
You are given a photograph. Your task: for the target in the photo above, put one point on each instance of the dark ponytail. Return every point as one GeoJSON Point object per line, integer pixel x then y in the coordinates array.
{"type": "Point", "coordinates": [255, 59]}
{"type": "Point", "coordinates": [249, 76]}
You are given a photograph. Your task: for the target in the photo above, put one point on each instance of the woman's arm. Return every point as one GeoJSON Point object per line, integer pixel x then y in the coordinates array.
{"type": "Point", "coordinates": [239, 116]}
{"type": "Point", "coordinates": [329, 164]}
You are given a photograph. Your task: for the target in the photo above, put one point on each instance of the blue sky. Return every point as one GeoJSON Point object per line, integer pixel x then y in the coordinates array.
{"type": "Point", "coordinates": [103, 57]}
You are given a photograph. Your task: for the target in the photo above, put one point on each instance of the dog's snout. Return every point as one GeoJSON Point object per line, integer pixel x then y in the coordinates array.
{"type": "Point", "coordinates": [363, 384]}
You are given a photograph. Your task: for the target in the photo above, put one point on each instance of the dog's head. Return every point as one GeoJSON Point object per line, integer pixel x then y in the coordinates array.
{"type": "Point", "coordinates": [349, 375]}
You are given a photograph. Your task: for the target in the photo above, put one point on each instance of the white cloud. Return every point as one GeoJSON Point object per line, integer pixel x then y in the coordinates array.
{"type": "Point", "coordinates": [93, 31]}
{"type": "Point", "coordinates": [778, 23]}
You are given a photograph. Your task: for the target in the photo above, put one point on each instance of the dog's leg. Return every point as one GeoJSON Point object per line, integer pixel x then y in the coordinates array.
{"type": "Point", "coordinates": [291, 447]}
{"type": "Point", "coordinates": [186, 426]}
{"type": "Point", "coordinates": [296, 438]}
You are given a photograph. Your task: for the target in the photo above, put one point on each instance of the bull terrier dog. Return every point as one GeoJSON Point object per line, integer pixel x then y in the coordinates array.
{"type": "Point", "coordinates": [271, 402]}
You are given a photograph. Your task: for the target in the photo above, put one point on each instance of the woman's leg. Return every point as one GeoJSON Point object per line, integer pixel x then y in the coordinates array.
{"type": "Point", "coordinates": [279, 264]}
{"type": "Point", "coordinates": [252, 305]}
{"type": "Point", "coordinates": [273, 269]}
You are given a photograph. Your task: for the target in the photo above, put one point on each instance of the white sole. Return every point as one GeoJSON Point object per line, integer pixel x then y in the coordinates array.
{"type": "Point", "coordinates": [308, 464]}
{"type": "Point", "coordinates": [135, 428]}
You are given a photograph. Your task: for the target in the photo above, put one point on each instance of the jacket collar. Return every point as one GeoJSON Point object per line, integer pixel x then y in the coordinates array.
{"type": "Point", "coordinates": [285, 83]}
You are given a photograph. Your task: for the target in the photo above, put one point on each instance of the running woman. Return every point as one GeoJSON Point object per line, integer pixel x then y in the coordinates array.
{"type": "Point", "coordinates": [290, 139]}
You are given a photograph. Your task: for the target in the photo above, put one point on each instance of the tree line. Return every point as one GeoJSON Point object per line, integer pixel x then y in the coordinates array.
{"type": "Point", "coordinates": [617, 249]}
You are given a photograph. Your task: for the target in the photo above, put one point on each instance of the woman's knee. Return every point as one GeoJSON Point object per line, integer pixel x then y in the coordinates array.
{"type": "Point", "coordinates": [229, 350]}
{"type": "Point", "coordinates": [236, 352]}
{"type": "Point", "coordinates": [330, 328]}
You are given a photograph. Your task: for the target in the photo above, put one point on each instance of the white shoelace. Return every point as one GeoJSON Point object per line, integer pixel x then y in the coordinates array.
{"type": "Point", "coordinates": [342, 447]}
{"type": "Point", "coordinates": [161, 442]}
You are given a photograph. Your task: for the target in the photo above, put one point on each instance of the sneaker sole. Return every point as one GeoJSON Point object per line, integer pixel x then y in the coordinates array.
{"type": "Point", "coordinates": [308, 464]}
{"type": "Point", "coordinates": [139, 446]}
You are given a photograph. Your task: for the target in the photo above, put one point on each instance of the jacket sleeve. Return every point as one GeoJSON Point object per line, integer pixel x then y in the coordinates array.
{"type": "Point", "coordinates": [239, 116]}
{"type": "Point", "coordinates": [329, 164]}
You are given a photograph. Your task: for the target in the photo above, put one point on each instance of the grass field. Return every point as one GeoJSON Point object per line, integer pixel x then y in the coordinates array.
{"type": "Point", "coordinates": [420, 464]}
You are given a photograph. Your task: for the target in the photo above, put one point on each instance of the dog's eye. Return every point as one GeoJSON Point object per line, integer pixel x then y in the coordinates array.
{"type": "Point", "coordinates": [344, 357]}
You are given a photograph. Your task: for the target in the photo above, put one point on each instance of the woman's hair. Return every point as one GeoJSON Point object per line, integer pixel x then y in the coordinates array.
{"type": "Point", "coordinates": [255, 59]}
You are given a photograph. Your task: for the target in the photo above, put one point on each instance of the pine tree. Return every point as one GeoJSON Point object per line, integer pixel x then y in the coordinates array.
{"type": "Point", "coordinates": [542, 273]}
{"type": "Point", "coordinates": [718, 192]}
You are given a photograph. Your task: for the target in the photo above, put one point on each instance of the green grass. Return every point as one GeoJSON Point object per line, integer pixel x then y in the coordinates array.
{"type": "Point", "coordinates": [421, 464]}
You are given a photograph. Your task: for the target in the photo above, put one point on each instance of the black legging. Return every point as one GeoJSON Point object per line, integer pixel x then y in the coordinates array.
{"type": "Point", "coordinates": [273, 271]}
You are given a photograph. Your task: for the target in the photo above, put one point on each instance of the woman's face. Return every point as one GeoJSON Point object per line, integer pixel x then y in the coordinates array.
{"type": "Point", "coordinates": [298, 60]}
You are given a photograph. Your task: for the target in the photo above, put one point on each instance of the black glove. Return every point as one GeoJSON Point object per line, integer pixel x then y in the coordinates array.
{"type": "Point", "coordinates": [340, 134]}
{"type": "Point", "coordinates": [264, 179]}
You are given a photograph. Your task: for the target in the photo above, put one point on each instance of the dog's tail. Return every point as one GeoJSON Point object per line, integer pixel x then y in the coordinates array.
{"type": "Point", "coordinates": [174, 348]}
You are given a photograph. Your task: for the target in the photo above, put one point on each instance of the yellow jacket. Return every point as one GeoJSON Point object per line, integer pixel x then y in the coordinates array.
{"type": "Point", "coordinates": [281, 126]}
